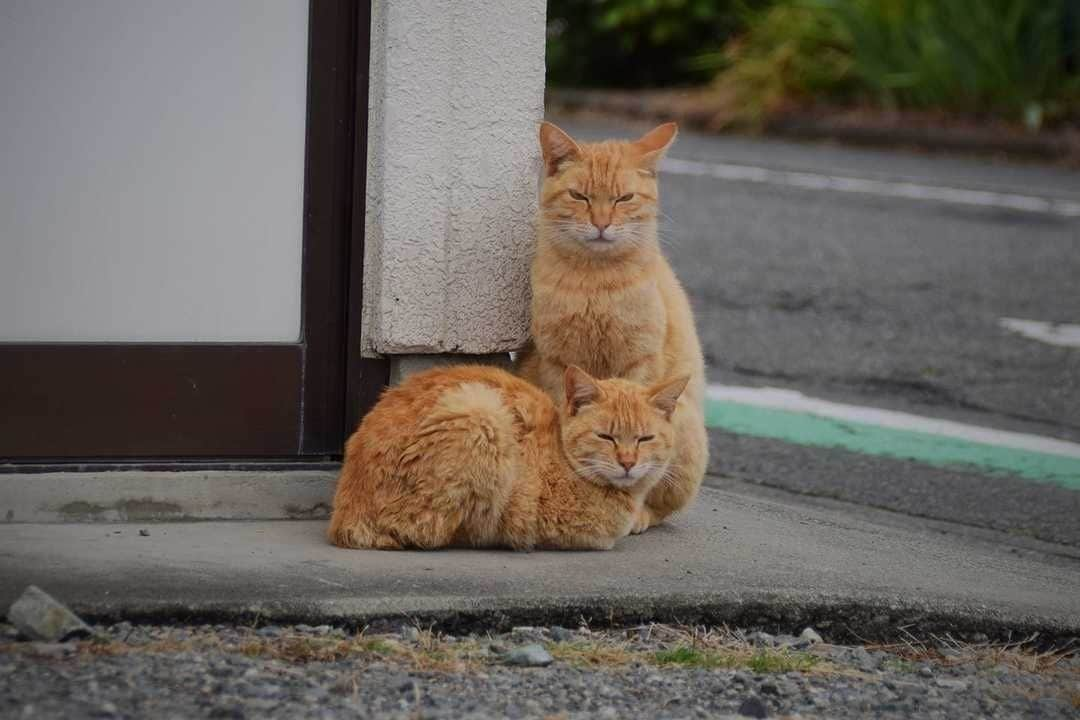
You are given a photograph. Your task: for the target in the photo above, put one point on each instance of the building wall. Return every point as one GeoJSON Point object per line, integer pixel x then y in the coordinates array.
{"type": "Point", "coordinates": [455, 100]}
{"type": "Point", "coordinates": [151, 169]}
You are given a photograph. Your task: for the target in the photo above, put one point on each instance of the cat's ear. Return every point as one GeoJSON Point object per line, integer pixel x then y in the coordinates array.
{"type": "Point", "coordinates": [653, 144]}
{"type": "Point", "coordinates": [557, 147]}
{"type": "Point", "coordinates": [581, 389]}
{"type": "Point", "coordinates": [664, 396]}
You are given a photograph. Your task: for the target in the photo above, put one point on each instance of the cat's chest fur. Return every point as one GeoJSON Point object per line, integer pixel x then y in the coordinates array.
{"type": "Point", "coordinates": [606, 331]}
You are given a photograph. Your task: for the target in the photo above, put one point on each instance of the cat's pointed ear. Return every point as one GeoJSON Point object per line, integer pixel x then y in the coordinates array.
{"type": "Point", "coordinates": [664, 396]}
{"type": "Point", "coordinates": [581, 389]}
{"type": "Point", "coordinates": [557, 147]}
{"type": "Point", "coordinates": [653, 144]}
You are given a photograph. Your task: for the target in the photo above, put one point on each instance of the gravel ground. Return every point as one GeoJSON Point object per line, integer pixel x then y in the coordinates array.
{"type": "Point", "coordinates": [648, 672]}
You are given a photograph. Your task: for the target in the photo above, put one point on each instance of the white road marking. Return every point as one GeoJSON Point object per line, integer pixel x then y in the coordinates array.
{"type": "Point", "coordinates": [1061, 334]}
{"type": "Point", "coordinates": [794, 401]}
{"type": "Point", "coordinates": [881, 188]}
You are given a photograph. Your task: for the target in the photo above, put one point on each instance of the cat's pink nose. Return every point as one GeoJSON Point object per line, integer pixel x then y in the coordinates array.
{"type": "Point", "coordinates": [628, 465]}
{"type": "Point", "coordinates": [600, 228]}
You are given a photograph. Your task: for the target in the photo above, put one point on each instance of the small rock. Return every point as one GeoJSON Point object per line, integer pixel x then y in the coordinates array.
{"type": "Point", "coordinates": [979, 638]}
{"type": "Point", "coordinates": [761, 639]}
{"type": "Point", "coordinates": [608, 713]}
{"type": "Point", "coordinates": [951, 684]}
{"type": "Point", "coordinates": [526, 633]}
{"type": "Point", "coordinates": [860, 658]}
{"type": "Point", "coordinates": [925, 671]}
{"type": "Point", "coordinates": [770, 688]}
{"type": "Point", "coordinates": [810, 635]}
{"type": "Point", "coordinates": [783, 641]}
{"type": "Point", "coordinates": [531, 655]}
{"type": "Point", "coordinates": [410, 634]}
{"type": "Point", "coordinates": [270, 631]}
{"type": "Point", "coordinates": [52, 650]}
{"type": "Point", "coordinates": [40, 617]}
{"type": "Point", "coordinates": [753, 707]}
{"type": "Point", "coordinates": [322, 629]}
{"type": "Point", "coordinates": [107, 708]}
{"type": "Point", "coordinates": [144, 533]}
{"type": "Point", "coordinates": [561, 634]}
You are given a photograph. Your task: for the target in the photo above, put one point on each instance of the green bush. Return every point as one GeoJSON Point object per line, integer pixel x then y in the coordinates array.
{"type": "Point", "coordinates": [1010, 58]}
{"type": "Point", "coordinates": [638, 43]}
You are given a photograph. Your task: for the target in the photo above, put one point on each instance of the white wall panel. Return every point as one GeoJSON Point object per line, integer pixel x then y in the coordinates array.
{"type": "Point", "coordinates": [151, 169]}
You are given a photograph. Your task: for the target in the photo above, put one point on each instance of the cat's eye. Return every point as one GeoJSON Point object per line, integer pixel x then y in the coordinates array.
{"type": "Point", "coordinates": [625, 198]}
{"type": "Point", "coordinates": [645, 438]}
{"type": "Point", "coordinates": [602, 436]}
{"type": "Point", "coordinates": [578, 196]}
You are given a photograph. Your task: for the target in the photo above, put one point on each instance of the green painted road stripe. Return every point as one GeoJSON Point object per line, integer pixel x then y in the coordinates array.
{"type": "Point", "coordinates": [939, 450]}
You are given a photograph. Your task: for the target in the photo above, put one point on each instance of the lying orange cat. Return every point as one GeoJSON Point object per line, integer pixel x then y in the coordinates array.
{"type": "Point", "coordinates": [474, 456]}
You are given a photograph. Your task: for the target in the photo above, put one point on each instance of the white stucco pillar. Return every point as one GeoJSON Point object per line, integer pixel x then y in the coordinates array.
{"type": "Point", "coordinates": [456, 95]}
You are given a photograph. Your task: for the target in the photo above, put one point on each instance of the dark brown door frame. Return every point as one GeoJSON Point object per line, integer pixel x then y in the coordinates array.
{"type": "Point", "coordinates": [150, 401]}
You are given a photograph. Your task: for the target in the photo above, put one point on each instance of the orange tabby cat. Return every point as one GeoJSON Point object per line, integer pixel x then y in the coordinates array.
{"type": "Point", "coordinates": [474, 456]}
{"type": "Point", "coordinates": [605, 298]}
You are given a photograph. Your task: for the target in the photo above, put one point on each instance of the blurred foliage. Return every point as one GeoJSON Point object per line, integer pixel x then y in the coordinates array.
{"type": "Point", "coordinates": [1011, 58]}
{"type": "Point", "coordinates": [638, 43]}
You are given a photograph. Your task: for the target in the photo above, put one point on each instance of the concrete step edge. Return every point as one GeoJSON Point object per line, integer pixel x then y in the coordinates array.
{"type": "Point", "coordinates": [155, 496]}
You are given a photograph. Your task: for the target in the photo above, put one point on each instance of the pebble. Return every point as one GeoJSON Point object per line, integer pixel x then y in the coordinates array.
{"type": "Point", "coordinates": [811, 636]}
{"type": "Point", "coordinates": [526, 633]}
{"type": "Point", "coordinates": [761, 639]}
{"type": "Point", "coordinates": [561, 634]}
{"type": "Point", "coordinates": [753, 707]}
{"type": "Point", "coordinates": [531, 655]}
{"type": "Point", "coordinates": [39, 616]}
{"type": "Point", "coordinates": [52, 649]}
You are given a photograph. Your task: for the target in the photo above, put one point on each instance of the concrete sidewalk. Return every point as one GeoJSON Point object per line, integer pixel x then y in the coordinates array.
{"type": "Point", "coordinates": [733, 558]}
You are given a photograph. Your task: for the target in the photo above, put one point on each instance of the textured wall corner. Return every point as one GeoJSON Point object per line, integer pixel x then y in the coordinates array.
{"type": "Point", "coordinates": [456, 94]}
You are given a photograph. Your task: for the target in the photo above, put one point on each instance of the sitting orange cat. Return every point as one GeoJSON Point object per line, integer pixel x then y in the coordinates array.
{"type": "Point", "coordinates": [604, 298]}
{"type": "Point", "coordinates": [474, 456]}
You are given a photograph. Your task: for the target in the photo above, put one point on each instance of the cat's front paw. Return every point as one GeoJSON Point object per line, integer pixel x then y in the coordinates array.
{"type": "Point", "coordinates": [642, 522]}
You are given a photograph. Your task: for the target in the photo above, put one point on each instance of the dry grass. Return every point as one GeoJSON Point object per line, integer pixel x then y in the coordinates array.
{"type": "Point", "coordinates": [593, 654]}
{"type": "Point", "coordinates": [1022, 655]}
{"type": "Point", "coordinates": [668, 646]}
{"type": "Point", "coordinates": [716, 648]}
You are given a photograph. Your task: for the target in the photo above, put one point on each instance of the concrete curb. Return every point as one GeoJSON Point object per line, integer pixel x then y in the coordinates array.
{"type": "Point", "coordinates": [154, 496]}
{"type": "Point", "coordinates": [806, 127]}
{"type": "Point", "coordinates": [840, 618]}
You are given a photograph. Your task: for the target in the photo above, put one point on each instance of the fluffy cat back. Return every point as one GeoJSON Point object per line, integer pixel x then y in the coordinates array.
{"type": "Point", "coordinates": [435, 455]}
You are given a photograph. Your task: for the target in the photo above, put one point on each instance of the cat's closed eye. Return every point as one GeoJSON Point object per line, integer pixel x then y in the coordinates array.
{"type": "Point", "coordinates": [602, 436]}
{"type": "Point", "coordinates": [578, 196]}
{"type": "Point", "coordinates": [645, 438]}
{"type": "Point", "coordinates": [625, 198]}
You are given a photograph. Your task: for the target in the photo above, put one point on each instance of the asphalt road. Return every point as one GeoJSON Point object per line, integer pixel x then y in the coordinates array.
{"type": "Point", "coordinates": [884, 288]}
